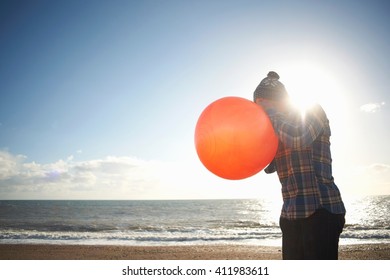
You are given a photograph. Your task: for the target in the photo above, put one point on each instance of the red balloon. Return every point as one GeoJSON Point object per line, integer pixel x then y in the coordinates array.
{"type": "Point", "coordinates": [234, 138]}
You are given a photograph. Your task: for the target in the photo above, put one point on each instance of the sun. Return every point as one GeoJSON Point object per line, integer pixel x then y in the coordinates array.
{"type": "Point", "coordinates": [308, 84]}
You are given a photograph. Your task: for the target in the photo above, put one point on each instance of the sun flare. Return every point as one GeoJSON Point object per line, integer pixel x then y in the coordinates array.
{"type": "Point", "coordinates": [309, 84]}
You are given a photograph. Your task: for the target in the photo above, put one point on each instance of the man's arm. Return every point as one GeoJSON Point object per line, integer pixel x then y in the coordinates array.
{"type": "Point", "coordinates": [295, 130]}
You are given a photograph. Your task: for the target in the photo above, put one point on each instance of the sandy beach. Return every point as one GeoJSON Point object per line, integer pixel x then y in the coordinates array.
{"type": "Point", "coordinates": [211, 252]}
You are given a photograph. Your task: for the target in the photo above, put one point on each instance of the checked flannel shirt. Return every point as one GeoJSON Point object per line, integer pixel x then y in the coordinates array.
{"type": "Point", "coordinates": [303, 163]}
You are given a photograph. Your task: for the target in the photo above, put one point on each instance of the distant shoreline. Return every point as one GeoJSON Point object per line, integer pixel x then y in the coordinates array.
{"type": "Point", "coordinates": [198, 252]}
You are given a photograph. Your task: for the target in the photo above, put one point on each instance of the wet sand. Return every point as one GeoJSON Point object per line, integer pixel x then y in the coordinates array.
{"type": "Point", "coordinates": [211, 252]}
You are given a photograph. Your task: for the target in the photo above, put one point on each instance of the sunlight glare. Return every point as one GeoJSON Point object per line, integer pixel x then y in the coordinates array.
{"type": "Point", "coordinates": [308, 84]}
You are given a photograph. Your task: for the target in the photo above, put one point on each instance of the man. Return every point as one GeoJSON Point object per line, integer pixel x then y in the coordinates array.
{"type": "Point", "coordinates": [313, 213]}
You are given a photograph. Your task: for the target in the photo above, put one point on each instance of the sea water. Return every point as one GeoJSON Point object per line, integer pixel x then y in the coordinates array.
{"type": "Point", "coordinates": [172, 222]}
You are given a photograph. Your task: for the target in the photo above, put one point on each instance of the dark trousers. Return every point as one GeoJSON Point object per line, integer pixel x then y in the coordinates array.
{"type": "Point", "coordinates": [312, 238]}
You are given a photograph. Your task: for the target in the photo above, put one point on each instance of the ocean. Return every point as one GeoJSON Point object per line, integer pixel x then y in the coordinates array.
{"type": "Point", "coordinates": [172, 222]}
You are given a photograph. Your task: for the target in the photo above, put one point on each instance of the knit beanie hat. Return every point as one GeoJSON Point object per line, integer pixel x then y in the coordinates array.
{"type": "Point", "coordinates": [270, 88]}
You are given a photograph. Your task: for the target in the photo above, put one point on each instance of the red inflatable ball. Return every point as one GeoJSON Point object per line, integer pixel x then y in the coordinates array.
{"type": "Point", "coordinates": [234, 138]}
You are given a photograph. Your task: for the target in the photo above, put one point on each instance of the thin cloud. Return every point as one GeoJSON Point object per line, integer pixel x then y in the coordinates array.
{"type": "Point", "coordinates": [379, 168]}
{"type": "Point", "coordinates": [372, 107]}
{"type": "Point", "coordinates": [111, 177]}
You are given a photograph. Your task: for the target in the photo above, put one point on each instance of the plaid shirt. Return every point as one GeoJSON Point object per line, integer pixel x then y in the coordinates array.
{"type": "Point", "coordinates": [304, 164]}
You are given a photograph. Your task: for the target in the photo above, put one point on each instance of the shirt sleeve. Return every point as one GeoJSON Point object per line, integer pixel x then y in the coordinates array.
{"type": "Point", "coordinates": [299, 130]}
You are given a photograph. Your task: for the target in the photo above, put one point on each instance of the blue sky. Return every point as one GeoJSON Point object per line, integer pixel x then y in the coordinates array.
{"type": "Point", "coordinates": [99, 99]}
